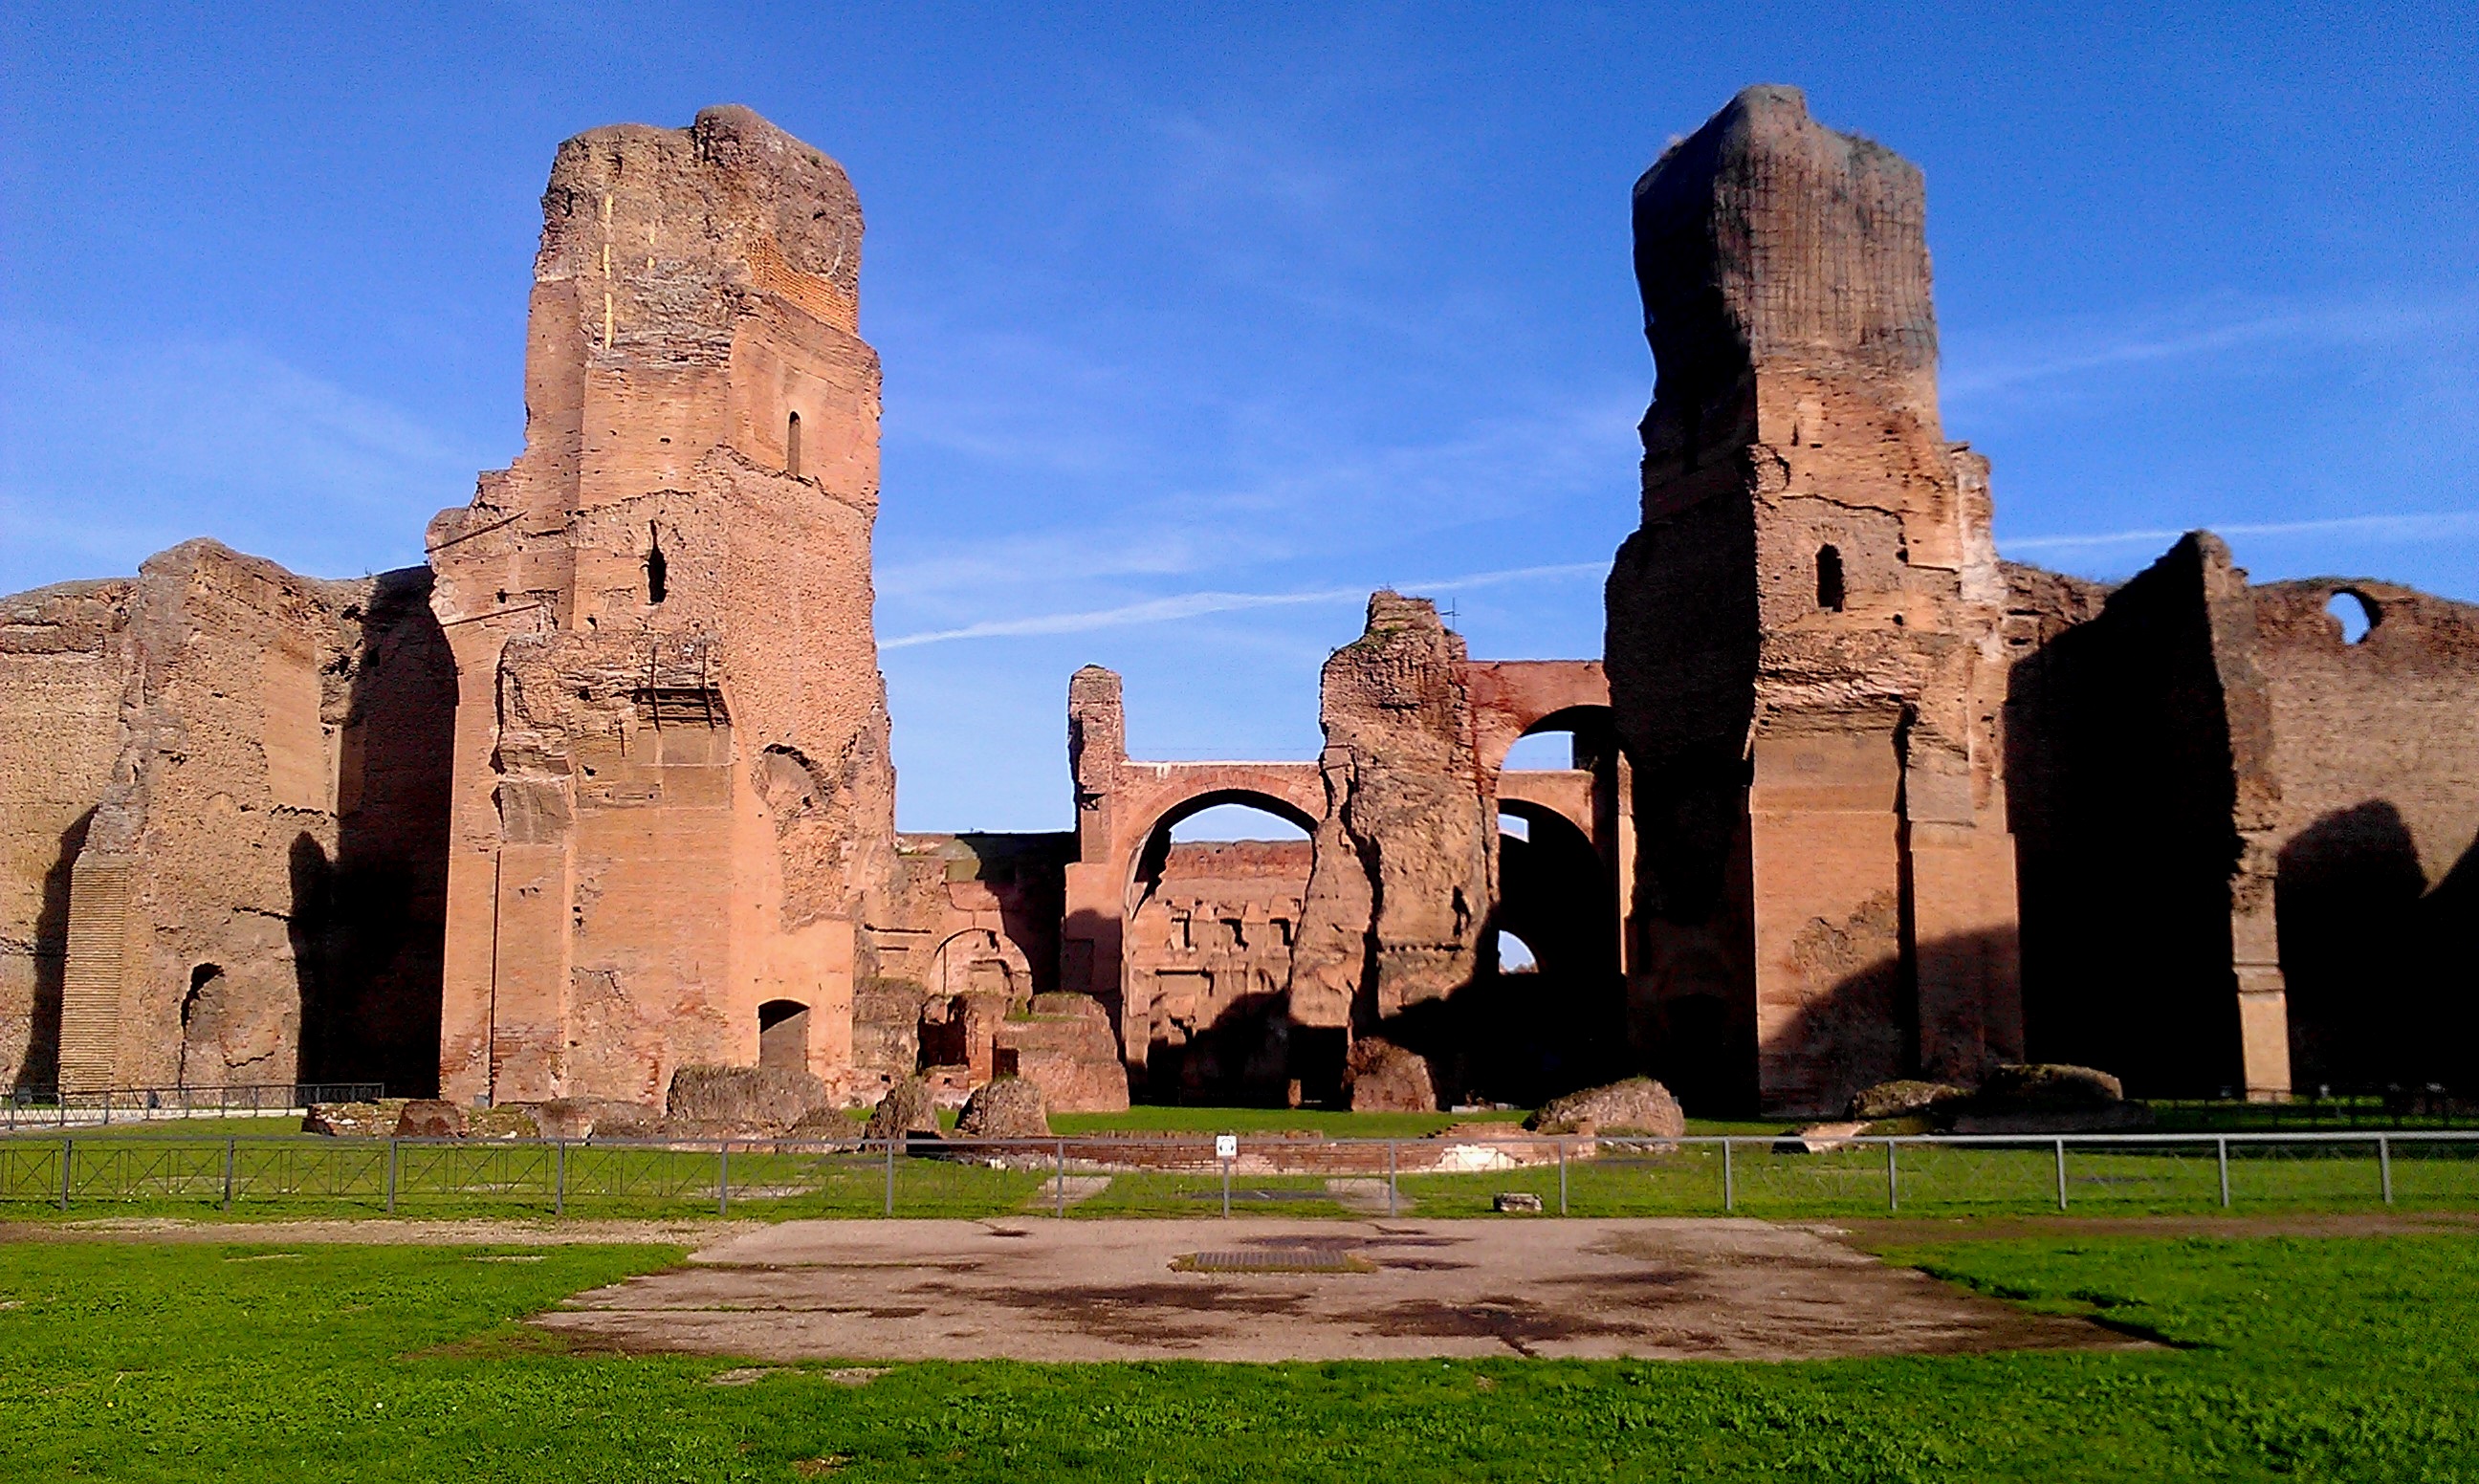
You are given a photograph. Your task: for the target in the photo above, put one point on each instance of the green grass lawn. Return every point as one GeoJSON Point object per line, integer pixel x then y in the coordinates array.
{"type": "Point", "coordinates": [158, 1171]}
{"type": "Point", "coordinates": [2292, 1358]}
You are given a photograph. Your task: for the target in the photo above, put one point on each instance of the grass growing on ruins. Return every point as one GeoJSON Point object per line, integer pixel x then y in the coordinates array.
{"type": "Point", "coordinates": [2322, 1357]}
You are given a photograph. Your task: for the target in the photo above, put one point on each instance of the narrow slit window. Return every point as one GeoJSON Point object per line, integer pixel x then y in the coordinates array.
{"type": "Point", "coordinates": [792, 445]}
{"type": "Point", "coordinates": [658, 568]}
{"type": "Point", "coordinates": [1828, 578]}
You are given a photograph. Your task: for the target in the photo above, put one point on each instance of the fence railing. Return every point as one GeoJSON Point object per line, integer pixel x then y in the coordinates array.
{"type": "Point", "coordinates": [31, 1106]}
{"type": "Point", "coordinates": [2320, 1109]}
{"type": "Point", "coordinates": [1129, 1175]}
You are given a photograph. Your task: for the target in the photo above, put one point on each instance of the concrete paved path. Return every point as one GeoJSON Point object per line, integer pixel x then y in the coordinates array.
{"type": "Point", "coordinates": [1039, 1290]}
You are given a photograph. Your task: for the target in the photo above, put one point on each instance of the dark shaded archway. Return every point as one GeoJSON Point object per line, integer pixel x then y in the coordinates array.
{"type": "Point", "coordinates": [1211, 924]}
{"type": "Point", "coordinates": [2379, 969]}
{"type": "Point", "coordinates": [1521, 1035]}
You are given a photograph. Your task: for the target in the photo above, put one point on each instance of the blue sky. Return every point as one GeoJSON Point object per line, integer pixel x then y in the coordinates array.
{"type": "Point", "coordinates": [1199, 321]}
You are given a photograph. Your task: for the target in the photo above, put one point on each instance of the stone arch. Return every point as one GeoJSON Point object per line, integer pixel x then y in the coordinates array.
{"type": "Point", "coordinates": [980, 960]}
{"type": "Point", "coordinates": [1511, 699]}
{"type": "Point", "coordinates": [1153, 840]}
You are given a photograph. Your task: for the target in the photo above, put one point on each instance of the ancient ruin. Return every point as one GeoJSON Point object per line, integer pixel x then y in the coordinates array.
{"type": "Point", "coordinates": [604, 792]}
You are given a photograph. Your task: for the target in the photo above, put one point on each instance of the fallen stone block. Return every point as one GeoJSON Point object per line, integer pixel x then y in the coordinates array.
{"type": "Point", "coordinates": [1638, 1106]}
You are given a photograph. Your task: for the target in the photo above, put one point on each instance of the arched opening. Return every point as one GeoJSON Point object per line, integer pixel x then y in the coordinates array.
{"type": "Point", "coordinates": [1217, 896]}
{"type": "Point", "coordinates": [2354, 612]}
{"type": "Point", "coordinates": [201, 1012]}
{"type": "Point", "coordinates": [658, 568]}
{"type": "Point", "coordinates": [1547, 1013]}
{"type": "Point", "coordinates": [792, 444]}
{"type": "Point", "coordinates": [1828, 578]}
{"type": "Point", "coordinates": [783, 1034]}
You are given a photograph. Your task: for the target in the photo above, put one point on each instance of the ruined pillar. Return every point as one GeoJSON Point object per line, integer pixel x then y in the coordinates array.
{"type": "Point", "coordinates": [672, 797]}
{"type": "Point", "coordinates": [1801, 637]}
{"type": "Point", "coordinates": [1404, 855]}
{"type": "Point", "coordinates": [1093, 929]}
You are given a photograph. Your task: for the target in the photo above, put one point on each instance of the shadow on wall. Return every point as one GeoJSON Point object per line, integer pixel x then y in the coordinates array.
{"type": "Point", "coordinates": [2382, 972]}
{"type": "Point", "coordinates": [1241, 1058]}
{"type": "Point", "coordinates": [2121, 790]}
{"type": "Point", "coordinates": [1863, 1031]}
{"type": "Point", "coordinates": [370, 927]}
{"type": "Point", "coordinates": [41, 1066]}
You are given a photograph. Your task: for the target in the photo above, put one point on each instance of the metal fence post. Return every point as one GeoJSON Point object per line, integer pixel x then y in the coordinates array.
{"type": "Point", "coordinates": [2061, 1174]}
{"type": "Point", "coordinates": [2385, 1165]}
{"type": "Point", "coordinates": [68, 1148]}
{"type": "Point", "coordinates": [230, 1147]}
{"type": "Point", "coordinates": [559, 1178]}
{"type": "Point", "coordinates": [1562, 1177]}
{"type": "Point", "coordinates": [1390, 1179]}
{"type": "Point", "coordinates": [1893, 1195]}
{"type": "Point", "coordinates": [890, 1175]}
{"type": "Point", "coordinates": [2222, 1153]}
{"type": "Point", "coordinates": [1059, 1181]}
{"type": "Point", "coordinates": [1730, 1189]}
{"type": "Point", "coordinates": [391, 1158]}
{"type": "Point", "coordinates": [722, 1180]}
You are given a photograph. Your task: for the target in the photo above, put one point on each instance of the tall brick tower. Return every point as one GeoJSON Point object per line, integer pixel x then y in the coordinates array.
{"type": "Point", "coordinates": [672, 786]}
{"type": "Point", "coordinates": [1803, 646]}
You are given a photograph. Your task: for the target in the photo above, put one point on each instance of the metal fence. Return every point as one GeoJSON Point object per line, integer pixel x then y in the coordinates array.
{"type": "Point", "coordinates": [1138, 1175]}
{"type": "Point", "coordinates": [39, 1106]}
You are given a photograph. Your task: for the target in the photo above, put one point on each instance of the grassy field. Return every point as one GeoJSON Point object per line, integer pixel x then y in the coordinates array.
{"type": "Point", "coordinates": [165, 1171]}
{"type": "Point", "coordinates": [2291, 1358]}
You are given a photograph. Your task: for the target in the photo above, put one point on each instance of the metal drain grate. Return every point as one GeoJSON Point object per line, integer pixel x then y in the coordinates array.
{"type": "Point", "coordinates": [1276, 1260]}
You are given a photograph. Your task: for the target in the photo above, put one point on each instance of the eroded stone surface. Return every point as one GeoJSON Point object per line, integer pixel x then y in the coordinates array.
{"type": "Point", "coordinates": [672, 795]}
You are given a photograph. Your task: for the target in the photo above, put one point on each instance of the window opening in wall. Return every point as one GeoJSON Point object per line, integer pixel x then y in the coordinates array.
{"type": "Point", "coordinates": [658, 568]}
{"type": "Point", "coordinates": [200, 977]}
{"type": "Point", "coordinates": [1515, 956]}
{"type": "Point", "coordinates": [792, 445]}
{"type": "Point", "coordinates": [2354, 613]}
{"type": "Point", "coordinates": [783, 1034]}
{"type": "Point", "coordinates": [1828, 578]}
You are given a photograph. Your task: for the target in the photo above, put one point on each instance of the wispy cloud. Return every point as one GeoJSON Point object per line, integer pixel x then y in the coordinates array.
{"type": "Point", "coordinates": [112, 449]}
{"type": "Point", "coordinates": [2429, 525]}
{"type": "Point", "coordinates": [1186, 605]}
{"type": "Point", "coordinates": [1320, 496]}
{"type": "Point", "coordinates": [2216, 327]}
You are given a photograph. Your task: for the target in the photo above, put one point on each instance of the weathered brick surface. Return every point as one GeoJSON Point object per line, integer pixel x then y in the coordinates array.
{"type": "Point", "coordinates": [674, 800]}
{"type": "Point", "coordinates": [1802, 646]}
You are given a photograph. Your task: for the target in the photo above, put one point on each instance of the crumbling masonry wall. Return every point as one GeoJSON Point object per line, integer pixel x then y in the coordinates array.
{"type": "Point", "coordinates": [2140, 763]}
{"type": "Point", "coordinates": [250, 890]}
{"type": "Point", "coordinates": [1405, 858]}
{"type": "Point", "coordinates": [2377, 875]}
{"type": "Point", "coordinates": [1802, 649]}
{"type": "Point", "coordinates": [672, 792]}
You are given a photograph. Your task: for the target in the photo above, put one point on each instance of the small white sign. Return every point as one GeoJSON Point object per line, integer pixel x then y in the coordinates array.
{"type": "Point", "coordinates": [1226, 1147]}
